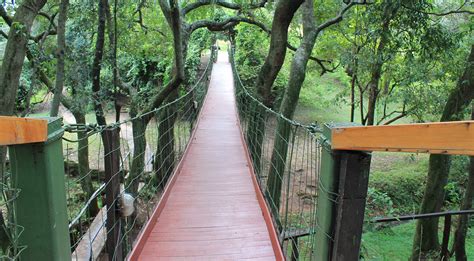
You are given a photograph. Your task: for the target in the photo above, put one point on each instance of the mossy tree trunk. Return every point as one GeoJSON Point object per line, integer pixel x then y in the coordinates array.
{"type": "Point", "coordinates": [463, 222]}
{"type": "Point", "coordinates": [137, 168]}
{"type": "Point", "coordinates": [97, 63]}
{"type": "Point", "coordinates": [389, 12]}
{"type": "Point", "coordinates": [284, 13]}
{"type": "Point", "coordinates": [60, 53]}
{"type": "Point", "coordinates": [256, 134]}
{"type": "Point", "coordinates": [290, 99]}
{"type": "Point", "coordinates": [288, 106]}
{"type": "Point", "coordinates": [85, 173]}
{"type": "Point", "coordinates": [165, 152]}
{"type": "Point", "coordinates": [426, 240]}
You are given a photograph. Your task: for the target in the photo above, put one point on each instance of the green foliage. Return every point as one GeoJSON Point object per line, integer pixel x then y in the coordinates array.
{"type": "Point", "coordinates": [251, 49]}
{"type": "Point", "coordinates": [403, 183]}
{"type": "Point", "coordinates": [378, 203]}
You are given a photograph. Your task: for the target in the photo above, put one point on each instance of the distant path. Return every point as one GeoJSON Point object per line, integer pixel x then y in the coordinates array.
{"type": "Point", "coordinates": [213, 211]}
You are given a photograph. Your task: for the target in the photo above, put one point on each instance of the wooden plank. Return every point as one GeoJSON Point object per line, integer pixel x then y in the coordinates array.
{"type": "Point", "coordinates": [14, 130]}
{"type": "Point", "coordinates": [456, 138]}
{"type": "Point", "coordinates": [93, 241]}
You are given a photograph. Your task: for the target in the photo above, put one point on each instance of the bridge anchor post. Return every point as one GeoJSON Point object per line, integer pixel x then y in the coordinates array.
{"type": "Point", "coordinates": [341, 201]}
{"type": "Point", "coordinates": [40, 208]}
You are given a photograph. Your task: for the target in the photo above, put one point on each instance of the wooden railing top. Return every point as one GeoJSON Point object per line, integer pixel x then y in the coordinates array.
{"type": "Point", "coordinates": [15, 130]}
{"type": "Point", "coordinates": [456, 138]}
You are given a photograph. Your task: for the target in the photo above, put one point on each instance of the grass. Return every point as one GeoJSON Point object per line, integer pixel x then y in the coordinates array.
{"type": "Point", "coordinates": [318, 100]}
{"type": "Point", "coordinates": [395, 243]}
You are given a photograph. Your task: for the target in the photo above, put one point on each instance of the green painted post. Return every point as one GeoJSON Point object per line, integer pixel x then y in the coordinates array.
{"type": "Point", "coordinates": [40, 209]}
{"type": "Point", "coordinates": [326, 208]}
{"type": "Point", "coordinates": [341, 200]}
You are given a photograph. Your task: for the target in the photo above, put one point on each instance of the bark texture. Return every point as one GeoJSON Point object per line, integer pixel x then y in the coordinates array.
{"type": "Point", "coordinates": [15, 51]}
{"type": "Point", "coordinates": [288, 106]}
{"type": "Point", "coordinates": [165, 153]}
{"type": "Point", "coordinates": [83, 164]}
{"type": "Point", "coordinates": [60, 53]}
{"type": "Point", "coordinates": [97, 63]}
{"type": "Point", "coordinates": [284, 13]}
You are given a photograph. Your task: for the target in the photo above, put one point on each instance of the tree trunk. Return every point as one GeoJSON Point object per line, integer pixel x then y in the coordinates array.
{"type": "Point", "coordinates": [139, 147]}
{"type": "Point", "coordinates": [173, 18]}
{"type": "Point", "coordinates": [60, 52]}
{"type": "Point", "coordinates": [466, 204]}
{"type": "Point", "coordinates": [288, 106]}
{"type": "Point", "coordinates": [284, 12]}
{"type": "Point", "coordinates": [426, 237]}
{"type": "Point", "coordinates": [165, 152]}
{"type": "Point", "coordinates": [112, 32]}
{"type": "Point", "coordinates": [97, 63]}
{"type": "Point", "coordinates": [83, 163]}
{"type": "Point", "coordinates": [353, 83]}
{"type": "Point", "coordinates": [376, 74]}
{"type": "Point", "coordinates": [15, 53]}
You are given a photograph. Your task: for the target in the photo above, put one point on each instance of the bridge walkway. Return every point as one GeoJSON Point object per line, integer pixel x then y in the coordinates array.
{"type": "Point", "coordinates": [212, 209]}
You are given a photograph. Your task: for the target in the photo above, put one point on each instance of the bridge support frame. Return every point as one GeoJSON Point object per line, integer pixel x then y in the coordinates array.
{"type": "Point", "coordinates": [40, 208]}
{"type": "Point", "coordinates": [341, 201]}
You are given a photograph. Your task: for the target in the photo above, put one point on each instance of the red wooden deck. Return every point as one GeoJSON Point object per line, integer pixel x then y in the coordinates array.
{"type": "Point", "coordinates": [212, 208]}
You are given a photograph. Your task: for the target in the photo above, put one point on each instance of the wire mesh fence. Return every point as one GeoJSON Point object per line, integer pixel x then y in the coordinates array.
{"type": "Point", "coordinates": [286, 157]}
{"type": "Point", "coordinates": [136, 157]}
{"type": "Point", "coordinates": [10, 230]}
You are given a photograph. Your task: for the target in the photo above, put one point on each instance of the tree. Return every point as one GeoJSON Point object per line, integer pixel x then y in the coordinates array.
{"type": "Point", "coordinates": [284, 13]}
{"type": "Point", "coordinates": [426, 240]}
{"type": "Point", "coordinates": [182, 31]}
{"type": "Point", "coordinates": [15, 52]}
{"type": "Point", "coordinates": [466, 204]}
{"type": "Point", "coordinates": [291, 96]}
{"type": "Point", "coordinates": [60, 57]}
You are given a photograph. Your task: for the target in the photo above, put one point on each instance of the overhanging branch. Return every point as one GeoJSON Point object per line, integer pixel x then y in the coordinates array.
{"type": "Point", "coordinates": [223, 3]}
{"type": "Point", "coordinates": [459, 10]}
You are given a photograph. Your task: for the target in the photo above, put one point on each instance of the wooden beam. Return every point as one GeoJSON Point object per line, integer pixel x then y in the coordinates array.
{"type": "Point", "coordinates": [14, 130]}
{"type": "Point", "coordinates": [456, 138]}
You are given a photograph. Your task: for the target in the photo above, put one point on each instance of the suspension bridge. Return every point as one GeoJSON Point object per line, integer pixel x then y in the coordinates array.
{"type": "Point", "coordinates": [209, 179]}
{"type": "Point", "coordinates": [212, 208]}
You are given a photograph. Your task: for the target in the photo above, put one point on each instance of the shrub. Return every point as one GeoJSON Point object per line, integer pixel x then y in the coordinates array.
{"type": "Point", "coordinates": [404, 184]}
{"type": "Point", "coordinates": [378, 203]}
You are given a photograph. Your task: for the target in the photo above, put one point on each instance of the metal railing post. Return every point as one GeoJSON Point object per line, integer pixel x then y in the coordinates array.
{"type": "Point", "coordinates": [341, 200]}
{"type": "Point", "coordinates": [40, 209]}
